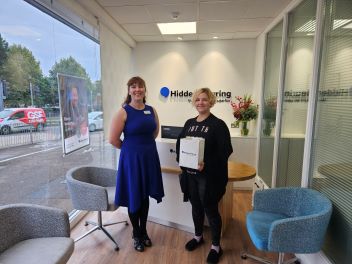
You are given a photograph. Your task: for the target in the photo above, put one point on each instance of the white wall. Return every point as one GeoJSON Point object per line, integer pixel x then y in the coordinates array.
{"type": "Point", "coordinates": [115, 69]}
{"type": "Point", "coordinates": [226, 65]}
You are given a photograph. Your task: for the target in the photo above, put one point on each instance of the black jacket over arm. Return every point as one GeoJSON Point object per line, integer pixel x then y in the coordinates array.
{"type": "Point", "coordinates": [217, 150]}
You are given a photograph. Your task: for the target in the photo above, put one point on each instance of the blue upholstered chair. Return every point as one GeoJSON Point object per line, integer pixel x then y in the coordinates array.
{"type": "Point", "coordinates": [93, 189]}
{"type": "Point", "coordinates": [288, 220]}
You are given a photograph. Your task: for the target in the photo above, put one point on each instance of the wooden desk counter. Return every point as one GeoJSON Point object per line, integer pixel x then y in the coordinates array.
{"type": "Point", "coordinates": [236, 172]}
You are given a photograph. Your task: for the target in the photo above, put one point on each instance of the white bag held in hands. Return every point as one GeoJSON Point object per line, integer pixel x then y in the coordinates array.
{"type": "Point", "coordinates": [191, 152]}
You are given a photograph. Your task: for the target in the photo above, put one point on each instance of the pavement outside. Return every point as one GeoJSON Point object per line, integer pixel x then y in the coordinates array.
{"type": "Point", "coordinates": [36, 173]}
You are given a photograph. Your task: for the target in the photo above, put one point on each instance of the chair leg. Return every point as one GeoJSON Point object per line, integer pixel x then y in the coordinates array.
{"type": "Point", "coordinates": [87, 233]}
{"type": "Point", "coordinates": [292, 260]}
{"type": "Point", "coordinates": [100, 226]}
{"type": "Point", "coordinates": [259, 259]}
{"type": "Point", "coordinates": [114, 223]}
{"type": "Point", "coordinates": [266, 261]}
{"type": "Point", "coordinates": [109, 236]}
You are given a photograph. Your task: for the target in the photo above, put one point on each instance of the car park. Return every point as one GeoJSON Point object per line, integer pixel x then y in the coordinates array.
{"type": "Point", "coordinates": [95, 120]}
{"type": "Point", "coordinates": [21, 119]}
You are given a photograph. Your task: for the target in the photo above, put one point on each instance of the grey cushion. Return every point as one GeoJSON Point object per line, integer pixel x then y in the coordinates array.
{"type": "Point", "coordinates": [34, 234]}
{"type": "Point", "coordinates": [39, 251]}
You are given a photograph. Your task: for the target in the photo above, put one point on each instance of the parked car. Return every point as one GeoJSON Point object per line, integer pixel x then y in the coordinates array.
{"type": "Point", "coordinates": [20, 119]}
{"type": "Point", "coordinates": [95, 120]}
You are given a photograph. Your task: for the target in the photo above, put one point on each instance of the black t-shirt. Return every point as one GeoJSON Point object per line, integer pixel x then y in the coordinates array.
{"type": "Point", "coordinates": [217, 149]}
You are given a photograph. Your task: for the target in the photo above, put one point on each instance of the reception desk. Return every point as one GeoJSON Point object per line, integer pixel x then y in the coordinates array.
{"type": "Point", "coordinates": [172, 211]}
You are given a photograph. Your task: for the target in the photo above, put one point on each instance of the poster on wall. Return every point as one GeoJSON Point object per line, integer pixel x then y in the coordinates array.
{"type": "Point", "coordinates": [74, 112]}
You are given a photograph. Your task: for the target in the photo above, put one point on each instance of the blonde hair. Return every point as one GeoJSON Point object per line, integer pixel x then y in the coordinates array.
{"type": "Point", "coordinates": [210, 94]}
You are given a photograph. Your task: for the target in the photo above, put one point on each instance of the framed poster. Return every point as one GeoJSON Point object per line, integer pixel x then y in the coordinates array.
{"type": "Point", "coordinates": [73, 97]}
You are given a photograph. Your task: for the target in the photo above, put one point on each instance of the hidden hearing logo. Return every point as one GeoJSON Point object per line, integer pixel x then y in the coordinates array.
{"type": "Point", "coordinates": [222, 96]}
{"type": "Point", "coordinates": [165, 91]}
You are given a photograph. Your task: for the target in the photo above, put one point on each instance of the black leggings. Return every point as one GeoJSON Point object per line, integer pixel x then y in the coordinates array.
{"type": "Point", "coordinates": [196, 185]}
{"type": "Point", "coordinates": [139, 219]}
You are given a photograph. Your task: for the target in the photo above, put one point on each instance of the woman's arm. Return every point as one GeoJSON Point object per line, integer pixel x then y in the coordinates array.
{"type": "Point", "coordinates": [116, 128]}
{"type": "Point", "coordinates": [156, 132]}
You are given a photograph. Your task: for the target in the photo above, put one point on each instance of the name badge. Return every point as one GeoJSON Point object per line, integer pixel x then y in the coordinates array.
{"type": "Point", "coordinates": [147, 112]}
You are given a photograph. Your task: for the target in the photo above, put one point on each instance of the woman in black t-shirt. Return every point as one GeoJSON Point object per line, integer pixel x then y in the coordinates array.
{"type": "Point", "coordinates": [206, 186]}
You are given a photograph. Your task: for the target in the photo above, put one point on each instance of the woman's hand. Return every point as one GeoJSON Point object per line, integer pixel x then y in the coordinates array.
{"type": "Point", "coordinates": [201, 166]}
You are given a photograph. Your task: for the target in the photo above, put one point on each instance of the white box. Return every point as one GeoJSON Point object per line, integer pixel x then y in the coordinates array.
{"type": "Point", "coordinates": [191, 152]}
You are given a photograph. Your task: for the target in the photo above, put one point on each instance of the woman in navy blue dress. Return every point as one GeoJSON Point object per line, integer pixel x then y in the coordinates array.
{"type": "Point", "coordinates": [139, 173]}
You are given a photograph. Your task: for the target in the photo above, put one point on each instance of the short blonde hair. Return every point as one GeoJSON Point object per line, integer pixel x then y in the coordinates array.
{"type": "Point", "coordinates": [210, 94]}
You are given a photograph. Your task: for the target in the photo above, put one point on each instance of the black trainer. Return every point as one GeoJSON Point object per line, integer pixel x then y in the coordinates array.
{"type": "Point", "coordinates": [193, 244]}
{"type": "Point", "coordinates": [146, 241]}
{"type": "Point", "coordinates": [214, 256]}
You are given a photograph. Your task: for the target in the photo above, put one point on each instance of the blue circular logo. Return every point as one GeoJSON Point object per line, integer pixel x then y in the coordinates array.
{"type": "Point", "coordinates": [164, 91]}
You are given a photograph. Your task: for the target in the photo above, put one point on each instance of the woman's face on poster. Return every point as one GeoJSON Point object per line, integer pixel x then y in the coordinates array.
{"type": "Point", "coordinates": [74, 96]}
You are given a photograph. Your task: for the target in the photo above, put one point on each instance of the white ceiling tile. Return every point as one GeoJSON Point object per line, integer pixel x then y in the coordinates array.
{"type": "Point", "coordinates": [163, 13]}
{"type": "Point", "coordinates": [228, 26]}
{"type": "Point", "coordinates": [265, 8]}
{"type": "Point", "coordinates": [222, 10]}
{"type": "Point", "coordinates": [142, 29]}
{"type": "Point", "coordinates": [148, 38]}
{"type": "Point", "coordinates": [227, 19]}
{"type": "Point", "coordinates": [212, 35]}
{"type": "Point", "coordinates": [130, 14]}
{"type": "Point", "coordinates": [184, 37]}
{"type": "Point", "coordinates": [253, 34]}
{"type": "Point", "coordinates": [141, 2]}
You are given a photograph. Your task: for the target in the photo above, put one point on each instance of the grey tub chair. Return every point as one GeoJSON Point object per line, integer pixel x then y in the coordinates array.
{"type": "Point", "coordinates": [93, 189]}
{"type": "Point", "coordinates": [34, 234]}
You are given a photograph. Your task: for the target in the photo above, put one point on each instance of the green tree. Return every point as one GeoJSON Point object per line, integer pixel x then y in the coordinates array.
{"type": "Point", "coordinates": [71, 67]}
{"type": "Point", "coordinates": [4, 50]}
{"type": "Point", "coordinates": [20, 69]}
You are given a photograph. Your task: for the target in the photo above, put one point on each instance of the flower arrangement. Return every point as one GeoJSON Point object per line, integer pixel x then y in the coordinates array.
{"type": "Point", "coordinates": [269, 112]}
{"type": "Point", "coordinates": [244, 108]}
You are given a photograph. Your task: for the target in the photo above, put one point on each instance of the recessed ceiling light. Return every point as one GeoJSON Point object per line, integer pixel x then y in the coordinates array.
{"type": "Point", "coordinates": [215, 37]}
{"type": "Point", "coordinates": [177, 28]}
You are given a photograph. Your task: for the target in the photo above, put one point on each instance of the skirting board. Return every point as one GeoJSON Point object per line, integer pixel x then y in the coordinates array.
{"type": "Point", "coordinates": [317, 258]}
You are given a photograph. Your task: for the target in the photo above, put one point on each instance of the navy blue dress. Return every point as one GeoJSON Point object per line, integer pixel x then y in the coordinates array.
{"type": "Point", "coordinates": [139, 173]}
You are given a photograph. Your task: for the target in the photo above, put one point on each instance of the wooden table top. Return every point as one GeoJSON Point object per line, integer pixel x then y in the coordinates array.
{"type": "Point", "coordinates": [237, 171]}
{"type": "Point", "coordinates": [240, 171]}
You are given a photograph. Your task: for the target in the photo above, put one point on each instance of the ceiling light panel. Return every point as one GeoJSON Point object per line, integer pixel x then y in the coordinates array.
{"type": "Point", "coordinates": [178, 28]}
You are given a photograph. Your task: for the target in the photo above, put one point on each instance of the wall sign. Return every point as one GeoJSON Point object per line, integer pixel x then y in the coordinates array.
{"type": "Point", "coordinates": [222, 96]}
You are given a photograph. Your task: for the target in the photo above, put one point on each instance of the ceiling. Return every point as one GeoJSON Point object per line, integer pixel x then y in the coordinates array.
{"type": "Point", "coordinates": [230, 19]}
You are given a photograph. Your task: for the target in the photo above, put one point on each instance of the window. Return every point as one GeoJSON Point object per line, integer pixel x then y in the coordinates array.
{"type": "Point", "coordinates": [331, 161]}
{"type": "Point", "coordinates": [34, 48]}
{"type": "Point", "coordinates": [298, 75]}
{"type": "Point", "coordinates": [270, 93]}
{"type": "Point", "coordinates": [18, 115]}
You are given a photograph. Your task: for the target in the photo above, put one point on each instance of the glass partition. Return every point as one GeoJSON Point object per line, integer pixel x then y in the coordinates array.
{"type": "Point", "coordinates": [270, 93]}
{"type": "Point", "coordinates": [298, 75]}
{"type": "Point", "coordinates": [34, 48]}
{"type": "Point", "coordinates": [331, 161]}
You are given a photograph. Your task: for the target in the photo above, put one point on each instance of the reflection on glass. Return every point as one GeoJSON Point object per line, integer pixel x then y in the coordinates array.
{"type": "Point", "coordinates": [32, 51]}
{"type": "Point", "coordinates": [270, 92]}
{"type": "Point", "coordinates": [331, 163]}
{"type": "Point", "coordinates": [298, 74]}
